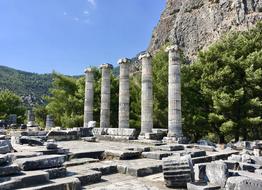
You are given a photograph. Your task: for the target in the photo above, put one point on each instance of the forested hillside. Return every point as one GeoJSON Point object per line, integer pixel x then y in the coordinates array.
{"type": "Point", "coordinates": [30, 86]}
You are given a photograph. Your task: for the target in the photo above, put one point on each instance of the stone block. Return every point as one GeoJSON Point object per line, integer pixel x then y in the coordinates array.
{"type": "Point", "coordinates": [243, 183]}
{"type": "Point", "coordinates": [26, 179]}
{"type": "Point", "coordinates": [51, 146]}
{"type": "Point", "coordinates": [85, 131]}
{"type": "Point", "coordinates": [31, 140]}
{"type": "Point", "coordinates": [99, 131]}
{"type": "Point", "coordinates": [177, 171]}
{"type": "Point", "coordinates": [202, 186]}
{"type": "Point", "coordinates": [56, 172]}
{"type": "Point", "coordinates": [139, 167]}
{"type": "Point", "coordinates": [123, 154]}
{"type": "Point", "coordinates": [68, 183]}
{"type": "Point", "coordinates": [5, 146]}
{"type": "Point", "coordinates": [170, 147]}
{"type": "Point", "coordinates": [249, 167]}
{"type": "Point", "coordinates": [206, 148]}
{"type": "Point", "coordinates": [89, 139]}
{"type": "Point", "coordinates": [157, 155]}
{"type": "Point", "coordinates": [6, 159]}
{"type": "Point", "coordinates": [217, 173]}
{"type": "Point", "coordinates": [4, 149]}
{"type": "Point", "coordinates": [258, 171]}
{"type": "Point", "coordinates": [97, 154]}
{"type": "Point", "coordinates": [232, 165]}
{"type": "Point", "coordinates": [89, 177]}
{"type": "Point", "coordinates": [41, 162]}
{"type": "Point", "coordinates": [200, 172]}
{"type": "Point", "coordinates": [9, 170]}
{"type": "Point", "coordinates": [79, 161]}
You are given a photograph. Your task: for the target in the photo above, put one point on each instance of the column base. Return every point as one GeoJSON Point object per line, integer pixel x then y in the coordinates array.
{"type": "Point", "coordinates": [178, 140]}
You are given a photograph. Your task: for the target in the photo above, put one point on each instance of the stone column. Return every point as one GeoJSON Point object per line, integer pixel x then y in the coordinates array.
{"type": "Point", "coordinates": [105, 96]}
{"type": "Point", "coordinates": [89, 96]}
{"type": "Point", "coordinates": [174, 94]}
{"type": "Point", "coordinates": [30, 118]}
{"type": "Point", "coordinates": [49, 122]}
{"type": "Point", "coordinates": [147, 95]}
{"type": "Point", "coordinates": [124, 96]}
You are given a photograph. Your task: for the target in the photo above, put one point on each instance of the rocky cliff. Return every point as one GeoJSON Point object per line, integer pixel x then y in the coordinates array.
{"type": "Point", "coordinates": [195, 24]}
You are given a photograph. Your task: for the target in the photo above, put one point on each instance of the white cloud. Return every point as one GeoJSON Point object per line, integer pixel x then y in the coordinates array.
{"type": "Point", "coordinates": [65, 13]}
{"type": "Point", "coordinates": [92, 2]}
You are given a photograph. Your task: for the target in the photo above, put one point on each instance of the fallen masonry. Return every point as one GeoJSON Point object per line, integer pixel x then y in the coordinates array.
{"type": "Point", "coordinates": [131, 164]}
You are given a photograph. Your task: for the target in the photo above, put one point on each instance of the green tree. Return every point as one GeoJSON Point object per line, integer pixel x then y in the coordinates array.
{"type": "Point", "coordinates": [10, 103]}
{"type": "Point", "coordinates": [231, 83]}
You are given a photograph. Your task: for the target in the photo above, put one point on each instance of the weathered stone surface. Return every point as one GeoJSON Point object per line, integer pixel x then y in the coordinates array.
{"type": "Point", "coordinates": [97, 154]}
{"type": "Point", "coordinates": [202, 186]}
{"type": "Point", "coordinates": [51, 145]}
{"type": "Point", "coordinates": [123, 155]}
{"type": "Point", "coordinates": [41, 162]}
{"type": "Point", "coordinates": [105, 167]}
{"type": "Point", "coordinates": [88, 177]}
{"type": "Point", "coordinates": [105, 96]}
{"type": "Point", "coordinates": [243, 183]}
{"type": "Point", "coordinates": [27, 179]}
{"type": "Point", "coordinates": [172, 147]}
{"type": "Point", "coordinates": [89, 139]}
{"type": "Point", "coordinates": [6, 159]}
{"type": "Point", "coordinates": [69, 183]}
{"type": "Point", "coordinates": [157, 155]}
{"type": "Point", "coordinates": [217, 173]}
{"type": "Point", "coordinates": [146, 95]}
{"type": "Point", "coordinates": [79, 161]}
{"type": "Point", "coordinates": [195, 24]}
{"type": "Point", "coordinates": [200, 172]}
{"type": "Point", "coordinates": [177, 171]}
{"type": "Point", "coordinates": [139, 167]}
{"type": "Point", "coordinates": [249, 167]}
{"type": "Point", "coordinates": [9, 170]}
{"type": "Point", "coordinates": [63, 135]}
{"type": "Point", "coordinates": [31, 140]}
{"type": "Point", "coordinates": [258, 171]}
{"type": "Point", "coordinates": [5, 146]}
{"type": "Point", "coordinates": [56, 172]}
{"type": "Point", "coordinates": [89, 96]}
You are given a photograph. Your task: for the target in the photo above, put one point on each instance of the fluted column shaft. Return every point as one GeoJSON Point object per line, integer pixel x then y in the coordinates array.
{"type": "Point", "coordinates": [174, 94]}
{"type": "Point", "coordinates": [147, 95]}
{"type": "Point", "coordinates": [124, 96]}
{"type": "Point", "coordinates": [49, 122]}
{"type": "Point", "coordinates": [105, 96]}
{"type": "Point", "coordinates": [89, 96]}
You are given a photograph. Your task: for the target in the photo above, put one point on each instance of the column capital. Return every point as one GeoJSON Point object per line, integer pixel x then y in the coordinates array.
{"type": "Point", "coordinates": [144, 55]}
{"type": "Point", "coordinates": [171, 48]}
{"type": "Point", "coordinates": [106, 66]}
{"type": "Point", "coordinates": [89, 70]}
{"type": "Point", "coordinates": [123, 61]}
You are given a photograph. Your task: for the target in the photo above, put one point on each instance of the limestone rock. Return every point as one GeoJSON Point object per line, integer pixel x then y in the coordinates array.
{"type": "Point", "coordinates": [41, 162]}
{"type": "Point", "coordinates": [195, 24]}
{"type": "Point", "coordinates": [177, 171]}
{"type": "Point", "coordinates": [243, 183]}
{"type": "Point", "coordinates": [217, 173]}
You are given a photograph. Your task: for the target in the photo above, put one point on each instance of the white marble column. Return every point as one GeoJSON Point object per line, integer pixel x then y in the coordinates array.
{"type": "Point", "coordinates": [174, 94]}
{"type": "Point", "coordinates": [147, 95]}
{"type": "Point", "coordinates": [105, 96]}
{"type": "Point", "coordinates": [89, 96]}
{"type": "Point", "coordinates": [124, 96]}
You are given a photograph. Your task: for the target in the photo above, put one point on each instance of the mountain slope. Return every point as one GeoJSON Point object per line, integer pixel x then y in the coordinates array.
{"type": "Point", "coordinates": [30, 86]}
{"type": "Point", "coordinates": [195, 24]}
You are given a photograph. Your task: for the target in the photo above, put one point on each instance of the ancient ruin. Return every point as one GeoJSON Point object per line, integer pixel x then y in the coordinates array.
{"type": "Point", "coordinates": [105, 96]}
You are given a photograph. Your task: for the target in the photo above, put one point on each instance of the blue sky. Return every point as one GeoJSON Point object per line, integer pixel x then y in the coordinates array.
{"type": "Point", "coordinates": [68, 35]}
